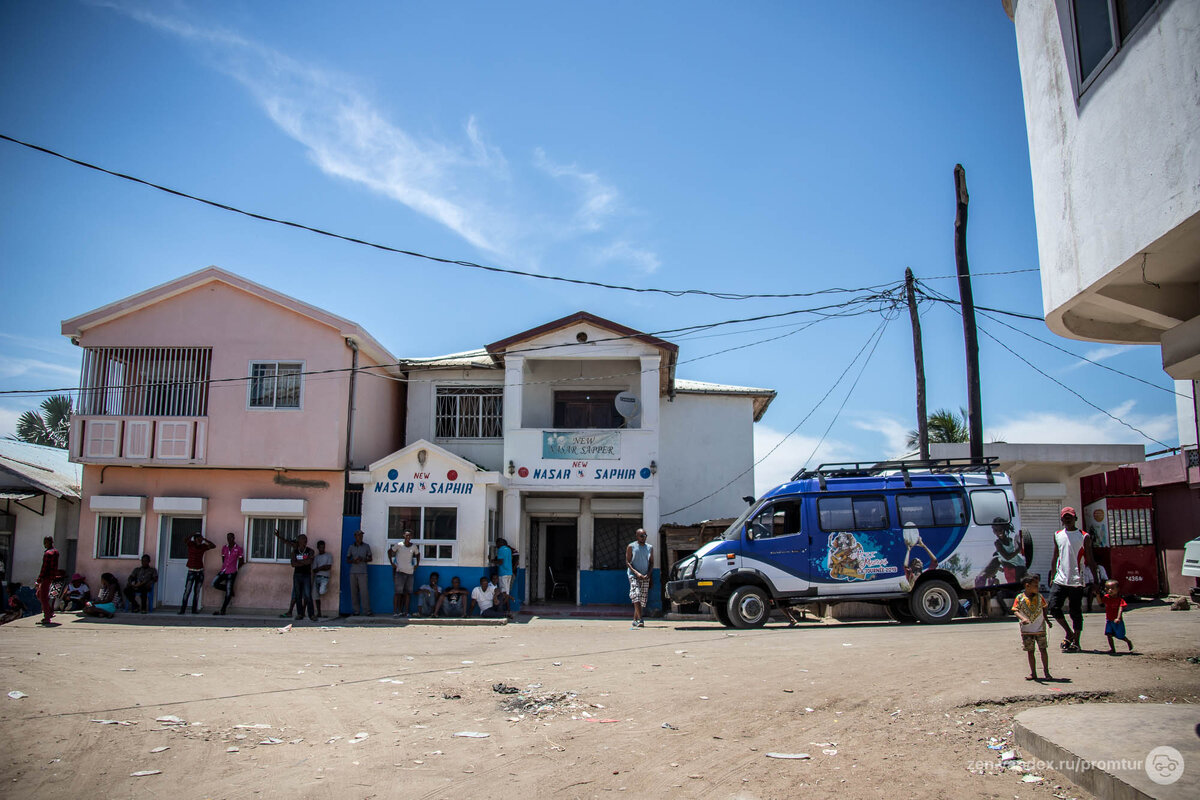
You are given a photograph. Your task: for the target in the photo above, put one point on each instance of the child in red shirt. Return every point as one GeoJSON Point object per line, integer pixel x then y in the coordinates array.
{"type": "Point", "coordinates": [1114, 625]}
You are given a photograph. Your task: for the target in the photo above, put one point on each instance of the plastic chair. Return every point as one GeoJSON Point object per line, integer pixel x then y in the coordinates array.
{"type": "Point", "coordinates": [556, 584]}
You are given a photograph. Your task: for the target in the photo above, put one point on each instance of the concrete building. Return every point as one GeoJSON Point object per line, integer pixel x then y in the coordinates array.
{"type": "Point", "coordinates": [1112, 105]}
{"type": "Point", "coordinates": [211, 404]}
{"type": "Point", "coordinates": [39, 497]}
{"type": "Point", "coordinates": [563, 439]}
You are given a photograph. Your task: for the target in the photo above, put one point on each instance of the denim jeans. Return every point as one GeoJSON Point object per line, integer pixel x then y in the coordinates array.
{"type": "Point", "coordinates": [302, 592]}
{"type": "Point", "coordinates": [230, 579]}
{"type": "Point", "coordinates": [194, 585]}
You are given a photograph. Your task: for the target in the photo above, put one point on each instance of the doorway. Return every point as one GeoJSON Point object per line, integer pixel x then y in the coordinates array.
{"type": "Point", "coordinates": [562, 561]}
{"type": "Point", "coordinates": [174, 533]}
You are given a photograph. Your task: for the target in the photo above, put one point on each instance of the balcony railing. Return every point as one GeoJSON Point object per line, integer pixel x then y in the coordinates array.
{"type": "Point", "coordinates": [139, 440]}
{"type": "Point", "coordinates": [145, 381]}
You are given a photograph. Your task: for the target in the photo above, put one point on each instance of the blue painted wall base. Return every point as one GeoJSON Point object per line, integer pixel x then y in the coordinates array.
{"type": "Point", "coordinates": [611, 587]}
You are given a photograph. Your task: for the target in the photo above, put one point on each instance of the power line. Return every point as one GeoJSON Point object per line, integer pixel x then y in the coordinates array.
{"type": "Point", "coordinates": [940, 298]}
{"type": "Point", "coordinates": [877, 332]}
{"type": "Point", "coordinates": [1050, 377]}
{"type": "Point", "coordinates": [983, 274]}
{"type": "Point", "coordinates": [437, 259]}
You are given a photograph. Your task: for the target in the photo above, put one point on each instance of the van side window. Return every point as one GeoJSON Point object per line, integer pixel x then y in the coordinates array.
{"type": "Point", "coordinates": [778, 519]}
{"type": "Point", "coordinates": [942, 509]}
{"type": "Point", "coordinates": [852, 513]}
{"type": "Point", "coordinates": [988, 505]}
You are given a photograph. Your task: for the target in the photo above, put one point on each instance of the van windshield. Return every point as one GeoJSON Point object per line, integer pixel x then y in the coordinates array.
{"type": "Point", "coordinates": [734, 531]}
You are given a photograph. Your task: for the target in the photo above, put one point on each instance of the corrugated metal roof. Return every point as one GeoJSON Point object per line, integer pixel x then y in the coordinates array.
{"type": "Point", "coordinates": [762, 397]}
{"type": "Point", "coordinates": [46, 469]}
{"type": "Point", "coordinates": [468, 359]}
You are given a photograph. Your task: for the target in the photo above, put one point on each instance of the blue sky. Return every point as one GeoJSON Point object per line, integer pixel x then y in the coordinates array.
{"type": "Point", "coordinates": [753, 148]}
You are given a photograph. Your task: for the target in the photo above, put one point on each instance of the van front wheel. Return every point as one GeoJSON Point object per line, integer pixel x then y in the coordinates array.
{"type": "Point", "coordinates": [721, 613]}
{"type": "Point", "coordinates": [935, 602]}
{"type": "Point", "coordinates": [748, 607]}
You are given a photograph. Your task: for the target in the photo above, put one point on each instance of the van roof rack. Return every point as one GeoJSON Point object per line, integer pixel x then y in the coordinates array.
{"type": "Point", "coordinates": [858, 469]}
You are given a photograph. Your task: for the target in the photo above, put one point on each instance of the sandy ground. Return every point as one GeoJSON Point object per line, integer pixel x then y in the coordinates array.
{"type": "Point", "coordinates": [908, 709]}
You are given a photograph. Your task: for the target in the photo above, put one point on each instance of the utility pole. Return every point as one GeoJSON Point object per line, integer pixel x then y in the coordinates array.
{"type": "Point", "coordinates": [919, 358]}
{"type": "Point", "coordinates": [974, 403]}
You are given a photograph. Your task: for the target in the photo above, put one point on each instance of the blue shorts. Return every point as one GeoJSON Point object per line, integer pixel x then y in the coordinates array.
{"type": "Point", "coordinates": [1115, 629]}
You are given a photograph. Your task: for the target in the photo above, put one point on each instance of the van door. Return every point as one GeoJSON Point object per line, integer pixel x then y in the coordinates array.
{"type": "Point", "coordinates": [775, 545]}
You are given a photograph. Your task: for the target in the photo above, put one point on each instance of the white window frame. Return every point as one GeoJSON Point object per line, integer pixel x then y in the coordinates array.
{"type": "Point", "coordinates": [493, 390]}
{"type": "Point", "coordinates": [250, 406]}
{"type": "Point", "coordinates": [248, 547]}
{"type": "Point", "coordinates": [141, 518]}
{"type": "Point", "coordinates": [418, 535]}
{"type": "Point", "coordinates": [1119, 38]}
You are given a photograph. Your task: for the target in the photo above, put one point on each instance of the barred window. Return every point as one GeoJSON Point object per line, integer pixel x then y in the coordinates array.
{"type": "Point", "coordinates": [275, 384]}
{"type": "Point", "coordinates": [469, 412]}
{"type": "Point", "coordinates": [118, 537]}
{"type": "Point", "coordinates": [260, 534]}
{"type": "Point", "coordinates": [610, 537]}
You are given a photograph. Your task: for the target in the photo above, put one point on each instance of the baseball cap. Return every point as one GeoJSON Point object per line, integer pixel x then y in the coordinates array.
{"type": "Point", "coordinates": [1067, 510]}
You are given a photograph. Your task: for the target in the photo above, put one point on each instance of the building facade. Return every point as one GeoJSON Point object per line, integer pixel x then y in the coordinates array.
{"type": "Point", "coordinates": [211, 404]}
{"type": "Point", "coordinates": [1111, 92]}
{"type": "Point", "coordinates": [563, 440]}
{"type": "Point", "coordinates": [39, 497]}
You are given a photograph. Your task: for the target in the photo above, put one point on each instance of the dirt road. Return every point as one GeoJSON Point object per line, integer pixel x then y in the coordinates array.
{"type": "Point", "coordinates": [882, 710]}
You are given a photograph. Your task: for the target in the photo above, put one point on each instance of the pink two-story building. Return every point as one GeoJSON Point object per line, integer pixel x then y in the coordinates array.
{"type": "Point", "coordinates": [213, 404]}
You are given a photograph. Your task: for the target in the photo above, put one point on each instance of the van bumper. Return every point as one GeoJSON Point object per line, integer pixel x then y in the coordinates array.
{"type": "Point", "coordinates": [691, 590]}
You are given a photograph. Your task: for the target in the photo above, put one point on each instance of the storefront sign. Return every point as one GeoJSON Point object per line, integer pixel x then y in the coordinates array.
{"type": "Point", "coordinates": [581, 444]}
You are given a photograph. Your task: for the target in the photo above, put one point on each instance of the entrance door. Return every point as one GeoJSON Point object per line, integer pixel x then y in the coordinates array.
{"type": "Point", "coordinates": [562, 561]}
{"type": "Point", "coordinates": [172, 556]}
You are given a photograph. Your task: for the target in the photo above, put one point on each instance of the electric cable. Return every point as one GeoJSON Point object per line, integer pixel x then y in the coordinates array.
{"type": "Point", "coordinates": [437, 259]}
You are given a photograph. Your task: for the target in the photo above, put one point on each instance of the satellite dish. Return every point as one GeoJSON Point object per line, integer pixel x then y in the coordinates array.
{"type": "Point", "coordinates": [626, 403]}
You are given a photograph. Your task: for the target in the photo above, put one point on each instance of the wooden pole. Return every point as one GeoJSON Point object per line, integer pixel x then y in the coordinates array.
{"type": "Point", "coordinates": [919, 359]}
{"type": "Point", "coordinates": [974, 402]}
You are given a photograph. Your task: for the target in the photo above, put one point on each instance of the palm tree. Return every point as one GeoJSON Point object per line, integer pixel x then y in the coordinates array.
{"type": "Point", "coordinates": [944, 426]}
{"type": "Point", "coordinates": [50, 426]}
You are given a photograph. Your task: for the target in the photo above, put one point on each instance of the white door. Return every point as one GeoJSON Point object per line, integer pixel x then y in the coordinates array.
{"type": "Point", "coordinates": [172, 562]}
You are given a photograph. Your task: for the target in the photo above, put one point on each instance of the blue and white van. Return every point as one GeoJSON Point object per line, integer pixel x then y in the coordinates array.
{"type": "Point", "coordinates": [913, 536]}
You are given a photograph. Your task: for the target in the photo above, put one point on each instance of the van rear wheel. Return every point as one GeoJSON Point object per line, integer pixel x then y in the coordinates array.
{"type": "Point", "coordinates": [935, 602]}
{"type": "Point", "coordinates": [748, 607]}
{"type": "Point", "coordinates": [900, 611]}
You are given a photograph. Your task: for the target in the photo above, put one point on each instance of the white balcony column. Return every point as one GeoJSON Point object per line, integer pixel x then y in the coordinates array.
{"type": "Point", "coordinates": [585, 530]}
{"type": "Point", "coordinates": [650, 512]}
{"type": "Point", "coordinates": [649, 394]}
{"type": "Point", "coordinates": [514, 389]}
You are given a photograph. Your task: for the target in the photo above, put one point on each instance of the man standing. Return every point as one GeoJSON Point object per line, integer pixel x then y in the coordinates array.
{"type": "Point", "coordinates": [232, 559]}
{"type": "Point", "coordinates": [405, 558]}
{"type": "Point", "coordinates": [46, 577]}
{"type": "Point", "coordinates": [141, 581]}
{"type": "Point", "coordinates": [197, 546]}
{"type": "Point", "coordinates": [1072, 556]}
{"type": "Point", "coordinates": [638, 557]}
{"type": "Point", "coordinates": [322, 571]}
{"type": "Point", "coordinates": [504, 563]}
{"type": "Point", "coordinates": [359, 556]}
{"type": "Point", "coordinates": [302, 567]}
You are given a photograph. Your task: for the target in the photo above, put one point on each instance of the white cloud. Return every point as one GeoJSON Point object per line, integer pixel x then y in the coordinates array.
{"type": "Point", "coordinates": [465, 184]}
{"type": "Point", "coordinates": [790, 456]}
{"type": "Point", "coordinates": [1094, 428]}
{"type": "Point", "coordinates": [894, 433]}
{"type": "Point", "coordinates": [1100, 355]}
{"type": "Point", "coordinates": [13, 367]}
{"type": "Point", "coordinates": [624, 252]}
{"type": "Point", "coordinates": [8, 420]}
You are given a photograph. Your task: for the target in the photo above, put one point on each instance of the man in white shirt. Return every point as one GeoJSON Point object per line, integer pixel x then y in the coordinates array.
{"type": "Point", "coordinates": [483, 598]}
{"type": "Point", "coordinates": [1074, 568]}
{"type": "Point", "coordinates": [322, 572]}
{"type": "Point", "coordinates": [405, 557]}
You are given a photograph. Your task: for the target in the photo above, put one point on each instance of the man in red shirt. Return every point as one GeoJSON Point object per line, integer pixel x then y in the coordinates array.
{"type": "Point", "coordinates": [46, 577]}
{"type": "Point", "coordinates": [197, 546]}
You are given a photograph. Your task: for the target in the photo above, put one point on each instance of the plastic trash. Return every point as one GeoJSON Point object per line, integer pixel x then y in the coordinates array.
{"type": "Point", "coordinates": [472, 735]}
{"type": "Point", "coordinates": [501, 688]}
{"type": "Point", "coordinates": [159, 749]}
{"type": "Point", "coordinates": [143, 773]}
{"type": "Point", "coordinates": [789, 755]}
{"type": "Point", "coordinates": [271, 740]}
{"type": "Point", "coordinates": [669, 726]}
{"type": "Point", "coordinates": [15, 695]}
{"type": "Point", "coordinates": [170, 719]}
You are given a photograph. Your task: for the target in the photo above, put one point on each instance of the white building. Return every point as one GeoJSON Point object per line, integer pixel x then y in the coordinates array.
{"type": "Point", "coordinates": [39, 497]}
{"type": "Point", "coordinates": [1112, 105]}
{"type": "Point", "coordinates": [563, 440]}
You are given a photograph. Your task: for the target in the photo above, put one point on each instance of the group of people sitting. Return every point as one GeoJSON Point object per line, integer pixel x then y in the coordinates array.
{"type": "Point", "coordinates": [77, 595]}
{"type": "Point", "coordinates": [488, 599]}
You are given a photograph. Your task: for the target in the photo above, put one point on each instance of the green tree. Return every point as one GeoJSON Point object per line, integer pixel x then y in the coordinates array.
{"type": "Point", "coordinates": [944, 426]}
{"type": "Point", "coordinates": [49, 426]}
